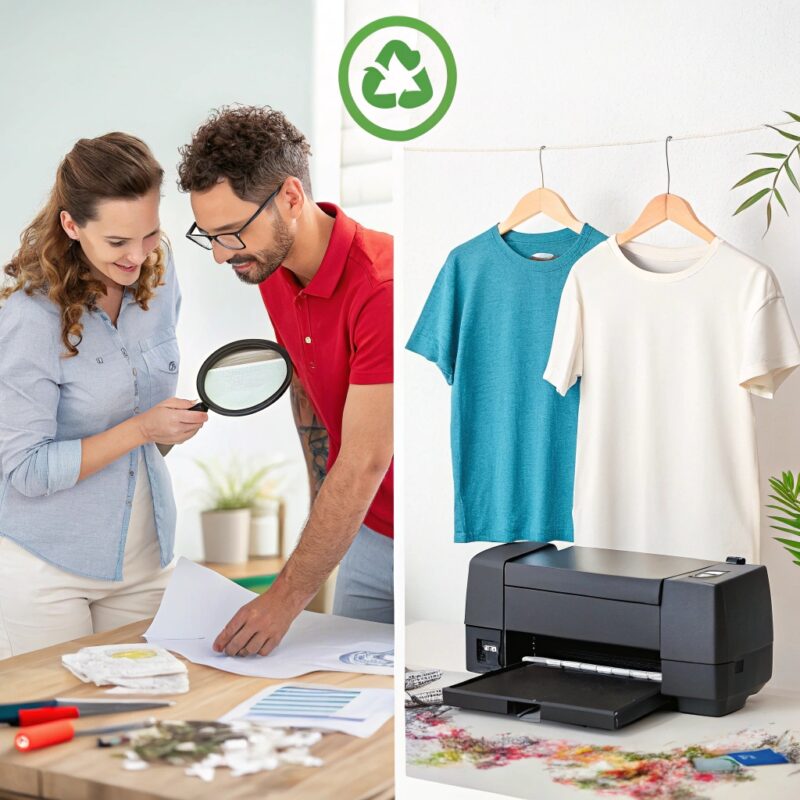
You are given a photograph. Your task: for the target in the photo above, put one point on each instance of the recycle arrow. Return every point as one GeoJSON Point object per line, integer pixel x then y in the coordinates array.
{"type": "Point", "coordinates": [374, 77]}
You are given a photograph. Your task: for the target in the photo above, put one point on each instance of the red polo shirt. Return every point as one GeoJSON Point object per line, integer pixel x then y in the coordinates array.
{"type": "Point", "coordinates": [338, 331]}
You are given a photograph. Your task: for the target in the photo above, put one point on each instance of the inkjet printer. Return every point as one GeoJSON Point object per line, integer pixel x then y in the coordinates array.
{"type": "Point", "coordinates": [601, 638]}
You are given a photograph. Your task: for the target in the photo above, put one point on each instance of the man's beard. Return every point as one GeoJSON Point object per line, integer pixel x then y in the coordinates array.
{"type": "Point", "coordinates": [267, 261]}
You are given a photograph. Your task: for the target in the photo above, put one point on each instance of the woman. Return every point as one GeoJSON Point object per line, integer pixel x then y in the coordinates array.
{"type": "Point", "coordinates": [88, 366]}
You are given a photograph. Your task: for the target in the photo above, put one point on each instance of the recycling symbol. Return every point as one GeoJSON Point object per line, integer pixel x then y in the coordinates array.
{"type": "Point", "coordinates": [403, 83]}
{"type": "Point", "coordinates": [372, 88]}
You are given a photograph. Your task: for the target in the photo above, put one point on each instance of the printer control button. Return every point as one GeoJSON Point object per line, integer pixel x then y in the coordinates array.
{"type": "Point", "coordinates": [735, 560]}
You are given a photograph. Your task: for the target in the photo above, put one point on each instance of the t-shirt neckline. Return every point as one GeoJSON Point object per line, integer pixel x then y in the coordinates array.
{"type": "Point", "coordinates": [702, 254]}
{"type": "Point", "coordinates": [564, 259]}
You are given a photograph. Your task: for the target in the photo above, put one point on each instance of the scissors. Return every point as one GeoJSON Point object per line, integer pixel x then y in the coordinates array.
{"type": "Point", "coordinates": [36, 712]}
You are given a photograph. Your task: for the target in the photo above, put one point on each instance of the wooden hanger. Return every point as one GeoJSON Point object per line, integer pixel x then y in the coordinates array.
{"type": "Point", "coordinates": [665, 207]}
{"type": "Point", "coordinates": [541, 201]}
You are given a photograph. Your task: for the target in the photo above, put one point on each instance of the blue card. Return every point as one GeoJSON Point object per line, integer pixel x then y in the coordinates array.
{"type": "Point", "coordinates": [756, 758]}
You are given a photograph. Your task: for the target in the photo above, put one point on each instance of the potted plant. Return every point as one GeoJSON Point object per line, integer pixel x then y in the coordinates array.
{"type": "Point", "coordinates": [231, 493]}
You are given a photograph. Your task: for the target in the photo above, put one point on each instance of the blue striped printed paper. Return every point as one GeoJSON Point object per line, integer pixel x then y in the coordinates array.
{"type": "Point", "coordinates": [305, 703]}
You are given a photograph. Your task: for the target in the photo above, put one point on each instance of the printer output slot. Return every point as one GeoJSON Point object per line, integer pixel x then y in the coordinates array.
{"type": "Point", "coordinates": [539, 693]}
{"type": "Point", "coordinates": [519, 645]}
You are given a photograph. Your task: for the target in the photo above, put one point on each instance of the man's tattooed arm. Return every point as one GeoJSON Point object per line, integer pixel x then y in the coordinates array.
{"type": "Point", "coordinates": [313, 436]}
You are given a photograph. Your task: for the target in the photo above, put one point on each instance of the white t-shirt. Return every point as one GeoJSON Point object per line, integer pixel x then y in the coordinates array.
{"type": "Point", "coordinates": [670, 343]}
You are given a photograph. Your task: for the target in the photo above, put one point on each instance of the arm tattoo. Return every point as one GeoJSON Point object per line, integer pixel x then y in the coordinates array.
{"type": "Point", "coordinates": [313, 437]}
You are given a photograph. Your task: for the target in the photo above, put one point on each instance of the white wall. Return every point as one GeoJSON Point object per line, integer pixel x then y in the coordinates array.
{"type": "Point", "coordinates": [576, 72]}
{"type": "Point", "coordinates": [155, 69]}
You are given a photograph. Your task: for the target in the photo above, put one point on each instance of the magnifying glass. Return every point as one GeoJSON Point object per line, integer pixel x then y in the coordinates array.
{"type": "Point", "coordinates": [241, 378]}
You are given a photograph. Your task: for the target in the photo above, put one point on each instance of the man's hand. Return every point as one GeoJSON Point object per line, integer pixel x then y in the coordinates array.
{"type": "Point", "coordinates": [336, 515]}
{"type": "Point", "coordinates": [258, 627]}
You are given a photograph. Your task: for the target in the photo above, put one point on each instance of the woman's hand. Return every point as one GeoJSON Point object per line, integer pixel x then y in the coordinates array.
{"type": "Point", "coordinates": [171, 422]}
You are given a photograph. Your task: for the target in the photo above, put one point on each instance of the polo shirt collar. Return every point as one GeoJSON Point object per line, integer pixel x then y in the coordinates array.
{"type": "Point", "coordinates": [333, 262]}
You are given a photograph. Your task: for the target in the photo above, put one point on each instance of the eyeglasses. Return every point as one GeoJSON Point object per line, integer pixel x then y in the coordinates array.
{"type": "Point", "coordinates": [231, 241]}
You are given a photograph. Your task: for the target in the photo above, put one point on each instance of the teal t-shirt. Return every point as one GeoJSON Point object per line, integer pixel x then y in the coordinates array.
{"type": "Point", "coordinates": [488, 325]}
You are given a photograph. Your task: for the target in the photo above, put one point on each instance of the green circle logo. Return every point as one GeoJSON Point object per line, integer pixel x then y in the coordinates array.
{"type": "Point", "coordinates": [384, 80]}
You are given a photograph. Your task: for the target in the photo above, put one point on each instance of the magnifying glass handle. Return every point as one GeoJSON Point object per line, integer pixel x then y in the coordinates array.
{"type": "Point", "coordinates": [199, 407]}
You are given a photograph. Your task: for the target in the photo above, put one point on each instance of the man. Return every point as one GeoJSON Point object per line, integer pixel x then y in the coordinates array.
{"type": "Point", "coordinates": [326, 283]}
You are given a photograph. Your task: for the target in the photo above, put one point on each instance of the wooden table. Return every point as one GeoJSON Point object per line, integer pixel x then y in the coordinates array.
{"type": "Point", "coordinates": [354, 769]}
{"type": "Point", "coordinates": [254, 567]}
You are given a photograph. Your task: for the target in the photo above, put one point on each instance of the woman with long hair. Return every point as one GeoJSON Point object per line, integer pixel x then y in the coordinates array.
{"type": "Point", "coordinates": [88, 366]}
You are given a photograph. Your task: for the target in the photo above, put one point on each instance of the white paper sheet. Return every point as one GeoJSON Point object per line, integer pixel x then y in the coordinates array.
{"type": "Point", "coordinates": [359, 712]}
{"type": "Point", "coordinates": [199, 602]}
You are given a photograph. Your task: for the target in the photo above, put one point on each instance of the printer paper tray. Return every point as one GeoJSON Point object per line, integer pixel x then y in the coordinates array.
{"type": "Point", "coordinates": [561, 695]}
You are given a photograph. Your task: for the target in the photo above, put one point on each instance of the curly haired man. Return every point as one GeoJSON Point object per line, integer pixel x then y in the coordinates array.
{"type": "Point", "coordinates": [326, 283]}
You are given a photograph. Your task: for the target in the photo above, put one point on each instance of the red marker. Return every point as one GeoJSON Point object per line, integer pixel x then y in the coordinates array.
{"type": "Point", "coordinates": [36, 737]}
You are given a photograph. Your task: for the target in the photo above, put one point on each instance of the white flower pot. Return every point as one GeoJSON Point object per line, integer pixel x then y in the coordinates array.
{"type": "Point", "coordinates": [265, 539]}
{"type": "Point", "coordinates": [226, 535]}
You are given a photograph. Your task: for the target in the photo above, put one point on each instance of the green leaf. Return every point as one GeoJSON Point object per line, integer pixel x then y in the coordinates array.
{"type": "Point", "coordinates": [785, 496]}
{"type": "Point", "coordinates": [781, 488]}
{"type": "Point", "coordinates": [757, 173]}
{"type": "Point", "coordinates": [793, 136]}
{"type": "Point", "coordinates": [769, 155]}
{"type": "Point", "coordinates": [795, 117]}
{"type": "Point", "coordinates": [793, 521]}
{"type": "Point", "coordinates": [786, 484]}
{"type": "Point", "coordinates": [782, 509]}
{"type": "Point", "coordinates": [750, 200]}
{"type": "Point", "coordinates": [794, 551]}
{"type": "Point", "coordinates": [780, 200]}
{"type": "Point", "coordinates": [236, 485]}
{"type": "Point", "coordinates": [790, 542]}
{"type": "Point", "coordinates": [769, 217]}
{"type": "Point", "coordinates": [792, 177]}
{"type": "Point", "coordinates": [785, 530]}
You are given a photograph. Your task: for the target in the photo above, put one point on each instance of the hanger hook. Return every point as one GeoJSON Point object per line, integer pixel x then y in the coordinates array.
{"type": "Point", "coordinates": [541, 168]}
{"type": "Point", "coordinates": [666, 156]}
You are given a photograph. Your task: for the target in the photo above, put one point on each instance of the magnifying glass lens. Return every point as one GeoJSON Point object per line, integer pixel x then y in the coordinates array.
{"type": "Point", "coordinates": [245, 378]}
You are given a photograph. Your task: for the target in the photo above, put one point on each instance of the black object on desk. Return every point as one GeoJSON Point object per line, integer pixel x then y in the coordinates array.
{"type": "Point", "coordinates": [601, 638]}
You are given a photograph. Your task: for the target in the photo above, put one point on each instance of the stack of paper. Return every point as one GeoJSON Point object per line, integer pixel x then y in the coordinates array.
{"type": "Point", "coordinates": [199, 602]}
{"type": "Point", "coordinates": [359, 712]}
{"type": "Point", "coordinates": [136, 668]}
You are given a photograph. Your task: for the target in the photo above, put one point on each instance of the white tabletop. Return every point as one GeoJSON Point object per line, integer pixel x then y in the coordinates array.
{"type": "Point", "coordinates": [441, 645]}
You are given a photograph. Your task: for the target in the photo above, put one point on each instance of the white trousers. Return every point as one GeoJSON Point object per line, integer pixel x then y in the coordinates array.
{"type": "Point", "coordinates": [42, 605]}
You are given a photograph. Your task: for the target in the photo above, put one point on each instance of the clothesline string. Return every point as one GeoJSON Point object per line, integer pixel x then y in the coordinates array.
{"type": "Point", "coordinates": [623, 143]}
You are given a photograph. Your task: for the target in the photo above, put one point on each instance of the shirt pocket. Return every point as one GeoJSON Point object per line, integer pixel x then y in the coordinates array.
{"type": "Point", "coordinates": [161, 357]}
{"type": "Point", "coordinates": [96, 391]}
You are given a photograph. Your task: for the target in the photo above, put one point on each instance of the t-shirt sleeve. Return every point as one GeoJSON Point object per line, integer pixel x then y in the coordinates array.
{"type": "Point", "coordinates": [435, 336]}
{"type": "Point", "coordinates": [565, 364]}
{"type": "Point", "coordinates": [373, 359]}
{"type": "Point", "coordinates": [771, 351]}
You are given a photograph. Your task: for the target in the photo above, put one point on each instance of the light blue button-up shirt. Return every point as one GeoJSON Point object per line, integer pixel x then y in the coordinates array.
{"type": "Point", "coordinates": [48, 403]}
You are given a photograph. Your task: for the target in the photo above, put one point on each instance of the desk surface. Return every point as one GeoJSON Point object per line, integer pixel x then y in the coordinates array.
{"type": "Point", "coordinates": [439, 644]}
{"type": "Point", "coordinates": [356, 769]}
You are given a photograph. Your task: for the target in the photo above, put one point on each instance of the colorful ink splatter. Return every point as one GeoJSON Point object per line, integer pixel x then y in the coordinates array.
{"type": "Point", "coordinates": [435, 741]}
